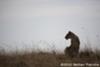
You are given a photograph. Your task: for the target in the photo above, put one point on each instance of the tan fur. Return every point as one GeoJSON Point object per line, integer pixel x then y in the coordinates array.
{"type": "Point", "coordinates": [73, 49]}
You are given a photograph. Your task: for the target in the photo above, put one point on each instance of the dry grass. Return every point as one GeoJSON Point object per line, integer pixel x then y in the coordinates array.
{"type": "Point", "coordinates": [43, 59]}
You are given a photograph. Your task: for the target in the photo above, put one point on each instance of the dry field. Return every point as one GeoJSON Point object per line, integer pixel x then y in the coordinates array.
{"type": "Point", "coordinates": [86, 58]}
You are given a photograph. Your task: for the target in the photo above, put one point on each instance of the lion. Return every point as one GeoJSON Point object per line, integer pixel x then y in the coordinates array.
{"type": "Point", "coordinates": [73, 49]}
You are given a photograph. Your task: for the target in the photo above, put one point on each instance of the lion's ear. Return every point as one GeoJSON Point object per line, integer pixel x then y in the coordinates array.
{"type": "Point", "coordinates": [70, 32]}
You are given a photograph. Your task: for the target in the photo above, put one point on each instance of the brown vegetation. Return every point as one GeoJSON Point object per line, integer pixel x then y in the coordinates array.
{"type": "Point", "coordinates": [43, 59]}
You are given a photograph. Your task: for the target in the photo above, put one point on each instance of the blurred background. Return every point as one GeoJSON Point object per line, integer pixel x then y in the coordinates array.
{"type": "Point", "coordinates": [43, 24]}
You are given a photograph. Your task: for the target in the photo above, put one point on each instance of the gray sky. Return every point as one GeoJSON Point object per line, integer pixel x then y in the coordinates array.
{"type": "Point", "coordinates": [49, 20]}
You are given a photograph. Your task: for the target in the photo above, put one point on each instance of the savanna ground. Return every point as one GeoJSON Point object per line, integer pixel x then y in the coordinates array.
{"type": "Point", "coordinates": [86, 58]}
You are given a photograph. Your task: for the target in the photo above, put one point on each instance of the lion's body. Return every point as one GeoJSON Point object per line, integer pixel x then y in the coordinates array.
{"type": "Point", "coordinates": [73, 49]}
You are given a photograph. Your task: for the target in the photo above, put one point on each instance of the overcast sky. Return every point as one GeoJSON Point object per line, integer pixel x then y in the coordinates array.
{"type": "Point", "coordinates": [30, 21]}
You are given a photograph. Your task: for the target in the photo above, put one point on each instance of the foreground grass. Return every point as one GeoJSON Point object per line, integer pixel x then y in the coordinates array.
{"type": "Point", "coordinates": [43, 59]}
